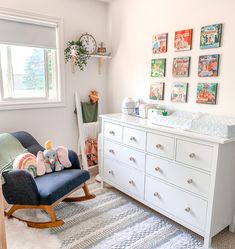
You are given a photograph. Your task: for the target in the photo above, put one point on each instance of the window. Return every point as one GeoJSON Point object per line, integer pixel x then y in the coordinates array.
{"type": "Point", "coordinates": [29, 62]}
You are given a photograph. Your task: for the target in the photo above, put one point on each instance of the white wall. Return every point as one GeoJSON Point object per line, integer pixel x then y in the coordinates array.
{"type": "Point", "coordinates": [133, 22]}
{"type": "Point", "coordinates": [59, 124]}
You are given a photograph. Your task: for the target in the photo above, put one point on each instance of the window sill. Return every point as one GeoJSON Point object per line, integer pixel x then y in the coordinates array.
{"type": "Point", "coordinates": [16, 105]}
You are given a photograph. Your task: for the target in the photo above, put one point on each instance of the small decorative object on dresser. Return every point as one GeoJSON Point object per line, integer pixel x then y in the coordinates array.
{"type": "Point", "coordinates": [180, 67]}
{"type": "Point", "coordinates": [183, 40]}
{"type": "Point", "coordinates": [158, 67]}
{"type": "Point", "coordinates": [180, 174]}
{"type": "Point", "coordinates": [207, 93]}
{"type": "Point", "coordinates": [128, 106]}
{"type": "Point", "coordinates": [211, 36]}
{"type": "Point", "coordinates": [159, 44]}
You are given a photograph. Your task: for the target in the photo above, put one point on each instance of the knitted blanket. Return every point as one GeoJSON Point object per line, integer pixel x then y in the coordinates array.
{"type": "Point", "coordinates": [10, 147]}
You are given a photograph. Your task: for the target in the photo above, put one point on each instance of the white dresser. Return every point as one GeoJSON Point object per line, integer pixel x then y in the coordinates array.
{"type": "Point", "coordinates": [185, 176]}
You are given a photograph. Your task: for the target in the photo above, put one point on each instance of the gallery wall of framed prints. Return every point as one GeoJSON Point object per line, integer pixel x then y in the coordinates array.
{"type": "Point", "coordinates": [205, 83]}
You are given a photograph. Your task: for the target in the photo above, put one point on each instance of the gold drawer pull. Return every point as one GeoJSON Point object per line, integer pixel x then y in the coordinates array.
{"type": "Point", "coordinates": [158, 169]}
{"type": "Point", "coordinates": [111, 132]}
{"type": "Point", "coordinates": [132, 159]}
{"type": "Point", "coordinates": [110, 172]}
{"type": "Point", "coordinates": [156, 194]}
{"type": "Point", "coordinates": [159, 146]}
{"type": "Point", "coordinates": [111, 151]}
{"type": "Point", "coordinates": [192, 155]}
{"type": "Point", "coordinates": [187, 209]}
{"type": "Point", "coordinates": [132, 138]}
{"type": "Point", "coordinates": [190, 181]}
{"type": "Point", "coordinates": [131, 182]}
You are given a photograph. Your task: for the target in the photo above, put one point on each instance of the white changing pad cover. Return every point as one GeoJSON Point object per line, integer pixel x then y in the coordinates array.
{"type": "Point", "coordinates": [198, 122]}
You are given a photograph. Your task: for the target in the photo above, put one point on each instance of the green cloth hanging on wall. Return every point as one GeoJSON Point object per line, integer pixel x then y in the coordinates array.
{"type": "Point", "coordinates": [89, 112]}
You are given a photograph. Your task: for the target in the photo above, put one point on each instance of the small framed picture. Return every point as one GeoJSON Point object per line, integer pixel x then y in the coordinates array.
{"type": "Point", "coordinates": [211, 36]}
{"type": "Point", "coordinates": [180, 67]}
{"type": "Point", "coordinates": [158, 67]}
{"type": "Point", "coordinates": [157, 91]}
{"type": "Point", "coordinates": [183, 40]}
{"type": "Point", "coordinates": [159, 43]}
{"type": "Point", "coordinates": [179, 92]}
{"type": "Point", "coordinates": [206, 93]}
{"type": "Point", "coordinates": [208, 65]}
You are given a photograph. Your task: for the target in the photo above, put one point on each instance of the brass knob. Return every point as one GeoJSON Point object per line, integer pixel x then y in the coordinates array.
{"type": "Point", "coordinates": [159, 146]}
{"type": "Point", "coordinates": [111, 151]}
{"type": "Point", "coordinates": [158, 169]}
{"type": "Point", "coordinates": [190, 181]}
{"type": "Point", "coordinates": [111, 132]}
{"type": "Point", "coordinates": [132, 159]}
{"type": "Point", "coordinates": [187, 209]}
{"type": "Point", "coordinates": [156, 194]}
{"type": "Point", "coordinates": [110, 172]}
{"type": "Point", "coordinates": [192, 155]}
{"type": "Point", "coordinates": [131, 182]}
{"type": "Point", "coordinates": [132, 138]}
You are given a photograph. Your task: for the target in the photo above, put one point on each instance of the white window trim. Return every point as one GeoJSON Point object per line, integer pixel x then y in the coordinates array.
{"type": "Point", "coordinates": [40, 102]}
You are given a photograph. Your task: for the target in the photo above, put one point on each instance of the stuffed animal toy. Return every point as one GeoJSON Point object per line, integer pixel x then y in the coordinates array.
{"type": "Point", "coordinates": [55, 159]}
{"type": "Point", "coordinates": [93, 96]}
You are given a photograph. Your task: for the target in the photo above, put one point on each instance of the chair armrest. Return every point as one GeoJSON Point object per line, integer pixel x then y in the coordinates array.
{"type": "Point", "coordinates": [20, 188]}
{"type": "Point", "coordinates": [73, 157]}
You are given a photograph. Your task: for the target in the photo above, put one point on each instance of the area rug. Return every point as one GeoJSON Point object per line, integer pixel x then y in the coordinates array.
{"type": "Point", "coordinates": [114, 221]}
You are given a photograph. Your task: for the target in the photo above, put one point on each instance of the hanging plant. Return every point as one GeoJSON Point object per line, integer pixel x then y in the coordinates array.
{"type": "Point", "coordinates": [77, 54]}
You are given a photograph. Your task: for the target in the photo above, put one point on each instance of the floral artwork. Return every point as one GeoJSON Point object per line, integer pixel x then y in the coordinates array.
{"type": "Point", "coordinates": [208, 65]}
{"type": "Point", "coordinates": [211, 36]}
{"type": "Point", "coordinates": [206, 93]}
{"type": "Point", "coordinates": [159, 44]}
{"type": "Point", "coordinates": [179, 92]}
{"type": "Point", "coordinates": [157, 91]}
{"type": "Point", "coordinates": [181, 67]}
{"type": "Point", "coordinates": [183, 40]}
{"type": "Point", "coordinates": [158, 67]}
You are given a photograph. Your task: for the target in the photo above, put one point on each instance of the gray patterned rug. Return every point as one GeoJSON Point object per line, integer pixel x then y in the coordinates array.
{"type": "Point", "coordinates": [114, 221]}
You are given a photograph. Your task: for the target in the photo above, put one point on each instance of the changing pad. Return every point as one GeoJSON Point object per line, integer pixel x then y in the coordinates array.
{"type": "Point", "coordinates": [198, 122]}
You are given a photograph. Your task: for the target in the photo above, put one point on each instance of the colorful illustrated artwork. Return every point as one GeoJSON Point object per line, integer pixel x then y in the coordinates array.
{"type": "Point", "coordinates": [158, 67]}
{"type": "Point", "coordinates": [211, 36]}
{"type": "Point", "coordinates": [179, 92]}
{"type": "Point", "coordinates": [183, 40]}
{"type": "Point", "coordinates": [157, 91]}
{"type": "Point", "coordinates": [208, 65]}
{"type": "Point", "coordinates": [181, 67]}
{"type": "Point", "coordinates": [206, 93]}
{"type": "Point", "coordinates": [159, 43]}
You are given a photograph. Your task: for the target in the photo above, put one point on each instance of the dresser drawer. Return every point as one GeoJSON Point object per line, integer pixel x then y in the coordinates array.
{"type": "Point", "coordinates": [126, 155]}
{"type": "Point", "coordinates": [127, 178]}
{"type": "Point", "coordinates": [198, 155]}
{"type": "Point", "coordinates": [113, 131]}
{"type": "Point", "coordinates": [160, 145]}
{"type": "Point", "coordinates": [134, 138]}
{"type": "Point", "coordinates": [189, 179]}
{"type": "Point", "coordinates": [182, 205]}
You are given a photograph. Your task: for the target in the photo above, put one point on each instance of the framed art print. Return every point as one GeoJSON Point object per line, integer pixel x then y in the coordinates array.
{"type": "Point", "coordinates": [159, 43]}
{"type": "Point", "coordinates": [208, 65]}
{"type": "Point", "coordinates": [158, 67]}
{"type": "Point", "coordinates": [180, 67]}
{"type": "Point", "coordinates": [157, 91]}
{"type": "Point", "coordinates": [206, 93]}
{"type": "Point", "coordinates": [211, 36]}
{"type": "Point", "coordinates": [183, 40]}
{"type": "Point", "coordinates": [179, 92]}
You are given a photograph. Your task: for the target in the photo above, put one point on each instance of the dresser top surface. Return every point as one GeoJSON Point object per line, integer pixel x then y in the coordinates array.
{"type": "Point", "coordinates": [145, 123]}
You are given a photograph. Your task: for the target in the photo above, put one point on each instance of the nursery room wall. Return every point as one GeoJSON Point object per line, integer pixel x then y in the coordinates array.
{"type": "Point", "coordinates": [59, 124]}
{"type": "Point", "coordinates": [132, 24]}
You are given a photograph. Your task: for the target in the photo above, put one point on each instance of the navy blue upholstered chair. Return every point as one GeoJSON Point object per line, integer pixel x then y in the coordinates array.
{"type": "Point", "coordinates": [44, 192]}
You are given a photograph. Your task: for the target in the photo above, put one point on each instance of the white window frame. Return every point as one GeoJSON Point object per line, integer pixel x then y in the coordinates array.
{"type": "Point", "coordinates": [29, 103]}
